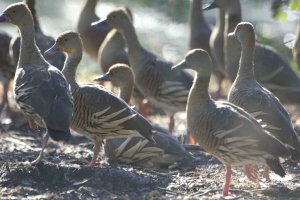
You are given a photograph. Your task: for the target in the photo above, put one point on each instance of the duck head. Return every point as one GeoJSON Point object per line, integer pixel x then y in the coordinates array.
{"type": "Point", "coordinates": [17, 14]}
{"type": "Point", "coordinates": [197, 60]}
{"type": "Point", "coordinates": [69, 42]}
{"type": "Point", "coordinates": [116, 19]}
{"type": "Point", "coordinates": [244, 32]}
{"type": "Point", "coordinates": [118, 74]}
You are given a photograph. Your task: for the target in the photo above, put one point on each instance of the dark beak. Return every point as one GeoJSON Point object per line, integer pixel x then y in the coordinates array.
{"type": "Point", "coordinates": [181, 65]}
{"type": "Point", "coordinates": [3, 17]}
{"type": "Point", "coordinates": [210, 6]}
{"type": "Point", "coordinates": [52, 51]}
{"type": "Point", "coordinates": [104, 77]}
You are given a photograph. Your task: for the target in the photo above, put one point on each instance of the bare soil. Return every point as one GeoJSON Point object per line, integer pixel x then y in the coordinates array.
{"type": "Point", "coordinates": [64, 174]}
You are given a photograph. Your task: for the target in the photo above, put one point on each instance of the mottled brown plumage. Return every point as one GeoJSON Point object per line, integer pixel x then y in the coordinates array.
{"type": "Point", "coordinates": [247, 93]}
{"type": "Point", "coordinates": [98, 114]}
{"type": "Point", "coordinates": [225, 130]}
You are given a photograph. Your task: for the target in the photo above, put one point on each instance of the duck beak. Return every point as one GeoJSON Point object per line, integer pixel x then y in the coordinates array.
{"type": "Point", "coordinates": [210, 6]}
{"type": "Point", "coordinates": [231, 35]}
{"type": "Point", "coordinates": [101, 23]}
{"type": "Point", "coordinates": [104, 77]}
{"type": "Point", "coordinates": [3, 17]}
{"type": "Point", "coordinates": [51, 51]}
{"type": "Point", "coordinates": [181, 65]}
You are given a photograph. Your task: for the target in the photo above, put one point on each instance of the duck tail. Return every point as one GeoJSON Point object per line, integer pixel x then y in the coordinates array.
{"type": "Point", "coordinates": [276, 167]}
{"type": "Point", "coordinates": [59, 135]}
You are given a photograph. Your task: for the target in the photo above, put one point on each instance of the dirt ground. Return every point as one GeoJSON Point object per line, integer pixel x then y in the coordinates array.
{"type": "Point", "coordinates": [65, 174]}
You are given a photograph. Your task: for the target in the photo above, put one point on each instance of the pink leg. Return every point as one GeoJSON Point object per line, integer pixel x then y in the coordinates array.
{"type": "Point", "coordinates": [144, 108]}
{"type": "Point", "coordinates": [266, 173]}
{"type": "Point", "coordinates": [250, 171]}
{"type": "Point", "coordinates": [227, 180]}
{"type": "Point", "coordinates": [96, 150]}
{"type": "Point", "coordinates": [45, 142]}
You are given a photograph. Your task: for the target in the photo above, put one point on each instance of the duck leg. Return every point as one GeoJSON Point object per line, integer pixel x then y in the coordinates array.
{"type": "Point", "coordinates": [227, 180]}
{"type": "Point", "coordinates": [45, 142]}
{"type": "Point", "coordinates": [32, 124]}
{"type": "Point", "coordinates": [171, 123]}
{"type": "Point", "coordinates": [266, 173]}
{"type": "Point", "coordinates": [96, 150]}
{"type": "Point", "coordinates": [251, 171]}
{"type": "Point", "coordinates": [191, 139]}
{"type": "Point", "coordinates": [4, 95]}
{"type": "Point", "coordinates": [144, 108]}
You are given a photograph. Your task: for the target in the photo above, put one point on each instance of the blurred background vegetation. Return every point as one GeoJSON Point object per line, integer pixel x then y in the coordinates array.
{"type": "Point", "coordinates": [162, 24]}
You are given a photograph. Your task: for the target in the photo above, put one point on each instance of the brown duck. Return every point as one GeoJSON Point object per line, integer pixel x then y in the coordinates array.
{"type": "Point", "coordinates": [92, 37]}
{"type": "Point", "coordinates": [165, 152]}
{"type": "Point", "coordinates": [271, 68]}
{"type": "Point", "coordinates": [42, 41]}
{"type": "Point", "coordinates": [154, 79]}
{"type": "Point", "coordinates": [224, 130]}
{"type": "Point", "coordinates": [247, 93]}
{"type": "Point", "coordinates": [40, 89]}
{"type": "Point", "coordinates": [98, 114]}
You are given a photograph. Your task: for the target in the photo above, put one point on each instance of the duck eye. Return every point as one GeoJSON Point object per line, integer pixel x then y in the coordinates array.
{"type": "Point", "coordinates": [13, 11]}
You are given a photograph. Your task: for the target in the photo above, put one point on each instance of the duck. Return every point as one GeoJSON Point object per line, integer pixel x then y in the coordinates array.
{"type": "Point", "coordinates": [43, 41]}
{"type": "Point", "coordinates": [98, 114]}
{"type": "Point", "coordinates": [271, 68]}
{"type": "Point", "coordinates": [167, 151]}
{"type": "Point", "coordinates": [40, 89]}
{"type": "Point", "coordinates": [201, 36]}
{"type": "Point", "coordinates": [248, 94]}
{"type": "Point", "coordinates": [163, 88]}
{"type": "Point", "coordinates": [296, 47]}
{"type": "Point", "coordinates": [92, 37]}
{"type": "Point", "coordinates": [225, 130]}
{"type": "Point", "coordinates": [6, 67]}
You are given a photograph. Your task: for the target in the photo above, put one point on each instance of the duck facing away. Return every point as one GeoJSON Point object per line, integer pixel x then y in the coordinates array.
{"type": "Point", "coordinates": [248, 94]}
{"type": "Point", "coordinates": [165, 152]}
{"type": "Point", "coordinates": [224, 130]}
{"type": "Point", "coordinates": [271, 69]}
{"type": "Point", "coordinates": [40, 89]}
{"type": "Point", "coordinates": [98, 114]}
{"type": "Point", "coordinates": [154, 79]}
{"type": "Point", "coordinates": [91, 37]}
{"type": "Point", "coordinates": [42, 41]}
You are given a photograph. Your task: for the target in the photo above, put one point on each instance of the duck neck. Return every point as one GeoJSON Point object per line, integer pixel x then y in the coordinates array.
{"type": "Point", "coordinates": [90, 6]}
{"type": "Point", "coordinates": [233, 17]}
{"type": "Point", "coordinates": [126, 91]}
{"type": "Point", "coordinates": [28, 51]}
{"type": "Point", "coordinates": [246, 66]}
{"type": "Point", "coordinates": [199, 91]}
{"type": "Point", "coordinates": [70, 67]}
{"type": "Point", "coordinates": [31, 6]}
{"type": "Point", "coordinates": [196, 15]}
{"type": "Point", "coordinates": [220, 22]}
{"type": "Point", "coordinates": [134, 47]}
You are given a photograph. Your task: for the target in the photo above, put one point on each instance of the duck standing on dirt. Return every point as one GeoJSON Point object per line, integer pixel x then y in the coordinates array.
{"type": "Point", "coordinates": [165, 152]}
{"type": "Point", "coordinates": [224, 130]}
{"type": "Point", "coordinates": [154, 79]}
{"type": "Point", "coordinates": [40, 89]}
{"type": "Point", "coordinates": [98, 114]}
{"type": "Point", "coordinates": [248, 94]}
